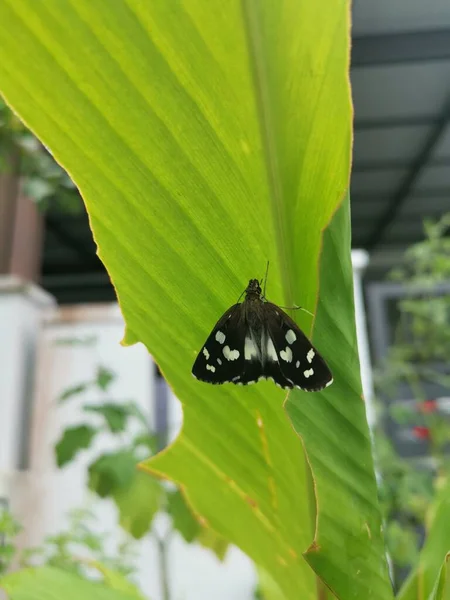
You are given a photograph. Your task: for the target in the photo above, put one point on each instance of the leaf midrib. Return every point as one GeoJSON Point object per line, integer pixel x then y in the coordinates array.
{"type": "Point", "coordinates": [264, 112]}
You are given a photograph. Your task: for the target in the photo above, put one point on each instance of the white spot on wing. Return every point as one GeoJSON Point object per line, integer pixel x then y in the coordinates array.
{"type": "Point", "coordinates": [286, 354]}
{"type": "Point", "coordinates": [206, 353]}
{"type": "Point", "coordinates": [211, 368]}
{"type": "Point", "coordinates": [271, 352]}
{"type": "Point", "coordinates": [219, 361]}
{"type": "Point", "coordinates": [297, 364]}
{"type": "Point", "coordinates": [220, 337]}
{"type": "Point", "coordinates": [308, 373]}
{"type": "Point", "coordinates": [290, 336]}
{"type": "Point", "coordinates": [250, 350]}
{"type": "Point", "coordinates": [329, 383]}
{"type": "Point", "coordinates": [311, 354]}
{"type": "Point", "coordinates": [230, 354]}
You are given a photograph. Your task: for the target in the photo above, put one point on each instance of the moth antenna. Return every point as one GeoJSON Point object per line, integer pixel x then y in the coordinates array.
{"type": "Point", "coordinates": [297, 308]}
{"type": "Point", "coordinates": [240, 296]}
{"type": "Point", "coordinates": [305, 310]}
{"type": "Point", "coordinates": [265, 279]}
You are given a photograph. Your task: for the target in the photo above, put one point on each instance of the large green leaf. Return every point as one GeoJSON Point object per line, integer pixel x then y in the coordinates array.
{"type": "Point", "coordinates": [441, 590]}
{"type": "Point", "coordinates": [49, 583]}
{"type": "Point", "coordinates": [429, 577]}
{"type": "Point", "coordinates": [347, 546]}
{"type": "Point", "coordinates": [207, 138]}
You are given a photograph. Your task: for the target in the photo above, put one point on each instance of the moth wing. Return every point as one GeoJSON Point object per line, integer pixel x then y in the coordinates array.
{"type": "Point", "coordinates": [299, 361]}
{"type": "Point", "coordinates": [221, 359]}
{"type": "Point", "coordinates": [272, 370]}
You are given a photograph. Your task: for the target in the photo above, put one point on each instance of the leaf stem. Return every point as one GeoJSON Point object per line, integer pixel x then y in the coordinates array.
{"type": "Point", "coordinates": [162, 545]}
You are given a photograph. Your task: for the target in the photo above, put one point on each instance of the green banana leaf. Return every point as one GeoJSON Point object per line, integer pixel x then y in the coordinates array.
{"type": "Point", "coordinates": [441, 590]}
{"type": "Point", "coordinates": [207, 139]}
{"type": "Point", "coordinates": [428, 580]}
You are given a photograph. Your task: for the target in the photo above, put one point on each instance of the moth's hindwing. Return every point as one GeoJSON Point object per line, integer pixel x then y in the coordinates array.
{"type": "Point", "coordinates": [221, 359]}
{"type": "Point", "coordinates": [298, 360]}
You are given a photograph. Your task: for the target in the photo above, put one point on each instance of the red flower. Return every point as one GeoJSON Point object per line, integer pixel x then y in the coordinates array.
{"type": "Point", "coordinates": [422, 433]}
{"type": "Point", "coordinates": [429, 406]}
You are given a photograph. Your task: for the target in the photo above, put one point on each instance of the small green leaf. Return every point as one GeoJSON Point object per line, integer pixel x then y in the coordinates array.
{"type": "Point", "coordinates": [138, 503]}
{"type": "Point", "coordinates": [74, 390]}
{"type": "Point", "coordinates": [146, 440]}
{"type": "Point", "coordinates": [184, 521]}
{"type": "Point", "coordinates": [111, 472]}
{"type": "Point", "coordinates": [72, 441]}
{"type": "Point", "coordinates": [136, 411]}
{"type": "Point", "coordinates": [104, 378]}
{"type": "Point", "coordinates": [117, 581]}
{"type": "Point", "coordinates": [116, 415]}
{"type": "Point", "coordinates": [182, 518]}
{"type": "Point", "coordinates": [211, 540]}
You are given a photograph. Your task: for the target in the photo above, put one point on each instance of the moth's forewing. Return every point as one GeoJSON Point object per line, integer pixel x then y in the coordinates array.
{"type": "Point", "coordinates": [222, 356]}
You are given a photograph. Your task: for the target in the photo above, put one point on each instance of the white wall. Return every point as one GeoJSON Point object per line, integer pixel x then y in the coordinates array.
{"type": "Point", "coordinates": [21, 307]}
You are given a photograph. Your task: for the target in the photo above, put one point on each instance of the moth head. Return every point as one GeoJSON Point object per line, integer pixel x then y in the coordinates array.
{"type": "Point", "coordinates": [253, 287]}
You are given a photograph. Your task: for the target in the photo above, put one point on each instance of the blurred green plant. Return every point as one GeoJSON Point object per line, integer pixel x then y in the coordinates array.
{"type": "Point", "coordinates": [42, 582]}
{"type": "Point", "coordinates": [43, 180]}
{"type": "Point", "coordinates": [9, 529]}
{"type": "Point", "coordinates": [78, 549]}
{"type": "Point", "coordinates": [418, 357]}
{"type": "Point", "coordinates": [115, 475]}
{"type": "Point", "coordinates": [80, 545]}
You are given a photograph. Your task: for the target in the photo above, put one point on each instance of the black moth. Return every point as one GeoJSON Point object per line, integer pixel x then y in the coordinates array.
{"type": "Point", "coordinates": [256, 340]}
